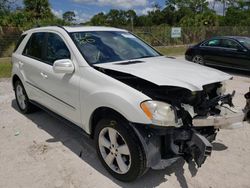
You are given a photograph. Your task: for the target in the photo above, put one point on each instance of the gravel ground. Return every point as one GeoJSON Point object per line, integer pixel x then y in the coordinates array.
{"type": "Point", "coordinates": [38, 150]}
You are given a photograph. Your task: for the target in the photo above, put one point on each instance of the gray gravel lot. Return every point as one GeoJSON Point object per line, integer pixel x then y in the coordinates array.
{"type": "Point", "coordinates": [38, 150]}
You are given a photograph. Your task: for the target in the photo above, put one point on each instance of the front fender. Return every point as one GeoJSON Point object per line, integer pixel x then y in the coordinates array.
{"type": "Point", "coordinates": [129, 106]}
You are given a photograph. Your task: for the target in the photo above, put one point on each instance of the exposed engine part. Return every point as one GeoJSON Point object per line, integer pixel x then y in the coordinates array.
{"type": "Point", "coordinates": [204, 103]}
{"type": "Point", "coordinates": [200, 148]}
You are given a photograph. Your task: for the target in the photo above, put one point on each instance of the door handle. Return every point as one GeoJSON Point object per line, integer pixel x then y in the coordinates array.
{"type": "Point", "coordinates": [20, 64]}
{"type": "Point", "coordinates": [45, 76]}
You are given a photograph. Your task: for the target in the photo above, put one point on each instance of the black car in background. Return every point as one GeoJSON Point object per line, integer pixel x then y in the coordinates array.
{"type": "Point", "coordinates": [226, 51]}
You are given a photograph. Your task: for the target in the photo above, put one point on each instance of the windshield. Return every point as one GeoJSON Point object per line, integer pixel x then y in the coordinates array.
{"type": "Point", "coordinates": [245, 42]}
{"type": "Point", "coordinates": [110, 46]}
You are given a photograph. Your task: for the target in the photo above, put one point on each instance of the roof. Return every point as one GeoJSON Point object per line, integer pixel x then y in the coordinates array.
{"type": "Point", "coordinates": [90, 28]}
{"type": "Point", "coordinates": [71, 29]}
{"type": "Point", "coordinates": [230, 37]}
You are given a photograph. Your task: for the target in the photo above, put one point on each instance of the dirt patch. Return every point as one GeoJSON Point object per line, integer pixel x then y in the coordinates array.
{"type": "Point", "coordinates": [38, 149]}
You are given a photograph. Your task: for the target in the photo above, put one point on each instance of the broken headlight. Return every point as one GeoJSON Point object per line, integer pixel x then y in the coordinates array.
{"type": "Point", "coordinates": [160, 113]}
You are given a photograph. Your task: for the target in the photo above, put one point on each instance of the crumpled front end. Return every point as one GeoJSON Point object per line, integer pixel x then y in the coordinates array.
{"type": "Point", "coordinates": [200, 115]}
{"type": "Point", "coordinates": [185, 121]}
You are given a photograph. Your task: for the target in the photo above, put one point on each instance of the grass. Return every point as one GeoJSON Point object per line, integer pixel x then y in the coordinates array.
{"type": "Point", "coordinates": [173, 51]}
{"type": "Point", "coordinates": [5, 67]}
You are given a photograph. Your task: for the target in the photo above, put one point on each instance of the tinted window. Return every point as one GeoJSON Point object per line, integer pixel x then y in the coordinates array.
{"type": "Point", "coordinates": [56, 49]}
{"type": "Point", "coordinates": [226, 43]}
{"type": "Point", "coordinates": [213, 42]}
{"type": "Point", "coordinates": [19, 42]}
{"type": "Point", "coordinates": [245, 42]}
{"type": "Point", "coordinates": [34, 47]}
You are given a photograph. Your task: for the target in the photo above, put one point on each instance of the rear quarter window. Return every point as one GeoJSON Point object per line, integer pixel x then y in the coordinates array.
{"type": "Point", "coordinates": [35, 46]}
{"type": "Point", "coordinates": [19, 42]}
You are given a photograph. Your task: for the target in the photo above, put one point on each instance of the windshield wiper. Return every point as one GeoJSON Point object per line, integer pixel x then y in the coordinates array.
{"type": "Point", "coordinates": [129, 62]}
{"type": "Point", "coordinates": [146, 56]}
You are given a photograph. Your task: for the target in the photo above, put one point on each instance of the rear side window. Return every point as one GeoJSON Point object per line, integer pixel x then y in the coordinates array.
{"type": "Point", "coordinates": [226, 43]}
{"type": "Point", "coordinates": [34, 47]}
{"type": "Point", "coordinates": [56, 49]}
{"type": "Point", "coordinates": [19, 41]}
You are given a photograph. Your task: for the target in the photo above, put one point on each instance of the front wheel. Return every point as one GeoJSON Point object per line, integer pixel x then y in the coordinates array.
{"type": "Point", "coordinates": [198, 59]}
{"type": "Point", "coordinates": [119, 149]}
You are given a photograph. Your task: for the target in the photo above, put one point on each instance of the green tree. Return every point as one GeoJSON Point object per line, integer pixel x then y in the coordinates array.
{"type": "Point", "coordinates": [116, 18]}
{"type": "Point", "coordinates": [194, 5]}
{"type": "Point", "coordinates": [236, 16]}
{"type": "Point", "coordinates": [38, 9]}
{"type": "Point", "coordinates": [99, 19]}
{"type": "Point", "coordinates": [69, 16]}
{"type": "Point", "coordinates": [200, 20]}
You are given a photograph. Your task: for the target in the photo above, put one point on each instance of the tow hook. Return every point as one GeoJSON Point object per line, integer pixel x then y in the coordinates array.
{"type": "Point", "coordinates": [200, 148]}
{"type": "Point", "coordinates": [247, 107]}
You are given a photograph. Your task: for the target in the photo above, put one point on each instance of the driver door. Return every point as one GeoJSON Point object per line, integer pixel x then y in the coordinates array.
{"type": "Point", "coordinates": [235, 55]}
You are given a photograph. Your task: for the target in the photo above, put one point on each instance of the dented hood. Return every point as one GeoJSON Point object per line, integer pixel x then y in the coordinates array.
{"type": "Point", "coordinates": [164, 71]}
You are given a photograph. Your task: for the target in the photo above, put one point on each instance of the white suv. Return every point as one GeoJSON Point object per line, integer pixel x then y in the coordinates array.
{"type": "Point", "coordinates": [143, 109]}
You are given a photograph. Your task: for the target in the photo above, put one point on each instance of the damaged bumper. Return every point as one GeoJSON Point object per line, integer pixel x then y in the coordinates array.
{"type": "Point", "coordinates": [229, 119]}
{"type": "Point", "coordinates": [163, 147]}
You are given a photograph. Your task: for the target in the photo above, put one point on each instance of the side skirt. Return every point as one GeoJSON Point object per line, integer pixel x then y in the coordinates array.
{"type": "Point", "coordinates": [62, 119]}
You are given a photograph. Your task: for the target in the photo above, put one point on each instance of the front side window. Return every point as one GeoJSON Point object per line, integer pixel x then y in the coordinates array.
{"type": "Point", "coordinates": [34, 47]}
{"type": "Point", "coordinates": [213, 43]}
{"type": "Point", "coordinates": [245, 42]}
{"type": "Point", "coordinates": [110, 46]}
{"type": "Point", "coordinates": [56, 49]}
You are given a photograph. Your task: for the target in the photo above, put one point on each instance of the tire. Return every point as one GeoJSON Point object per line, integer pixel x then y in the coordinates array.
{"type": "Point", "coordinates": [198, 59]}
{"type": "Point", "coordinates": [22, 99]}
{"type": "Point", "coordinates": [131, 153]}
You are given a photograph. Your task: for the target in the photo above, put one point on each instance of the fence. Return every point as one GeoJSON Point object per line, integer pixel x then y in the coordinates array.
{"type": "Point", "coordinates": [8, 39]}
{"type": "Point", "coordinates": [155, 35]}
{"type": "Point", "coordinates": [161, 35]}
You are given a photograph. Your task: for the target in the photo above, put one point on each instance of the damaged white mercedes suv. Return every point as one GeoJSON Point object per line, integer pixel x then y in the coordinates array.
{"type": "Point", "coordinates": [144, 110]}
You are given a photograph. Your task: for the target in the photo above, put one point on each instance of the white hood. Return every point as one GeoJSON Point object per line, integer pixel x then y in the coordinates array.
{"type": "Point", "coordinates": [165, 71]}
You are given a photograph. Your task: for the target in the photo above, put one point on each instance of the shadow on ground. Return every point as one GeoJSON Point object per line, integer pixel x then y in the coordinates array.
{"type": "Point", "coordinates": [219, 146]}
{"type": "Point", "coordinates": [80, 144]}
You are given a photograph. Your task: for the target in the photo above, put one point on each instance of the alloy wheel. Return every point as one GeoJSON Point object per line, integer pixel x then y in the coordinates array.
{"type": "Point", "coordinates": [198, 59]}
{"type": "Point", "coordinates": [21, 98]}
{"type": "Point", "coordinates": [114, 150]}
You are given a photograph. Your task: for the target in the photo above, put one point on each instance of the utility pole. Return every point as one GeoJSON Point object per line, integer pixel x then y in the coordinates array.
{"type": "Point", "coordinates": [224, 7]}
{"type": "Point", "coordinates": [132, 23]}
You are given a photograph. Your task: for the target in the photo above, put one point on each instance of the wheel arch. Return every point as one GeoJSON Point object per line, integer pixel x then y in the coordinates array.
{"type": "Point", "coordinates": [100, 113]}
{"type": "Point", "coordinates": [14, 79]}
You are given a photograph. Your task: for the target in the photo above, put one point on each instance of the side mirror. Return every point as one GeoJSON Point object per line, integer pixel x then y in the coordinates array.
{"type": "Point", "coordinates": [64, 66]}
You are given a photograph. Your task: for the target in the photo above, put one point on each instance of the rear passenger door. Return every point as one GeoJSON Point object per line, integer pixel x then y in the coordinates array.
{"type": "Point", "coordinates": [56, 91]}
{"type": "Point", "coordinates": [31, 60]}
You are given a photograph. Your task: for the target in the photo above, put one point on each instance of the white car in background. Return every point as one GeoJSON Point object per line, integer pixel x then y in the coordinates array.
{"type": "Point", "coordinates": [143, 109]}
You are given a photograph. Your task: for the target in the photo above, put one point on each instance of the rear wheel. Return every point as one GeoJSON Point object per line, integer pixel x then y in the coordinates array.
{"type": "Point", "coordinates": [119, 149]}
{"type": "Point", "coordinates": [22, 99]}
{"type": "Point", "coordinates": [198, 59]}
